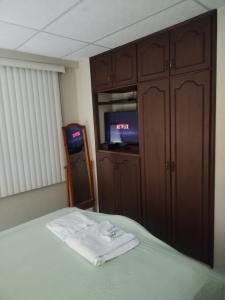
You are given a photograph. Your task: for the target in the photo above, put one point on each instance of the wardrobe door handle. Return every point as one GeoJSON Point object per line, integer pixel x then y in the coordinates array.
{"type": "Point", "coordinates": [166, 64]}
{"type": "Point", "coordinates": [172, 63]}
{"type": "Point", "coordinates": [172, 166]}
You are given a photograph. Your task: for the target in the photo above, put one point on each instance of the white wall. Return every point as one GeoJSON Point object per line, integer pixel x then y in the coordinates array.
{"type": "Point", "coordinates": [219, 235]}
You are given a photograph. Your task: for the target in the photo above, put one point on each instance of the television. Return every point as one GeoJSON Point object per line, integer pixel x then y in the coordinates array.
{"type": "Point", "coordinates": [121, 127]}
{"type": "Point", "coordinates": [74, 139]}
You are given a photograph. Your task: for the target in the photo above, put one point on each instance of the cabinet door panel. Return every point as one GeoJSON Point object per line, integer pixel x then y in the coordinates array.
{"type": "Point", "coordinates": [190, 103]}
{"type": "Point", "coordinates": [107, 183]}
{"type": "Point", "coordinates": [101, 68]}
{"type": "Point", "coordinates": [124, 66]}
{"type": "Point", "coordinates": [155, 149]}
{"type": "Point", "coordinates": [129, 170]}
{"type": "Point", "coordinates": [191, 46]}
{"type": "Point", "coordinates": [153, 57]}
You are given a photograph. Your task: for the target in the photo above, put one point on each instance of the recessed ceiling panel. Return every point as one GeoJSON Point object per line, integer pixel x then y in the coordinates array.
{"type": "Point", "coordinates": [93, 19]}
{"type": "Point", "coordinates": [33, 13]}
{"type": "Point", "coordinates": [88, 51]}
{"type": "Point", "coordinates": [50, 45]}
{"type": "Point", "coordinates": [12, 36]}
{"type": "Point", "coordinates": [169, 17]}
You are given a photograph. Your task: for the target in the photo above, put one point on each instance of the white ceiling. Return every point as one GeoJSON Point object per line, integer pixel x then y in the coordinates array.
{"type": "Point", "coordinates": [75, 29]}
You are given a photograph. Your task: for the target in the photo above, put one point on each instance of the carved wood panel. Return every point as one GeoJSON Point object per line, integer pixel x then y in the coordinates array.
{"type": "Point", "coordinates": [153, 57]}
{"type": "Point", "coordinates": [190, 109]}
{"type": "Point", "coordinates": [191, 46]}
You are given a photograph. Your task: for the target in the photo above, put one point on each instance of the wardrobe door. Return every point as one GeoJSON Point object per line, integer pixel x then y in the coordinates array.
{"type": "Point", "coordinates": [101, 71]}
{"type": "Point", "coordinates": [125, 66]}
{"type": "Point", "coordinates": [191, 46]}
{"type": "Point", "coordinates": [153, 57]}
{"type": "Point", "coordinates": [129, 171]}
{"type": "Point", "coordinates": [155, 151]}
{"type": "Point", "coordinates": [108, 182]}
{"type": "Point", "coordinates": [190, 130]}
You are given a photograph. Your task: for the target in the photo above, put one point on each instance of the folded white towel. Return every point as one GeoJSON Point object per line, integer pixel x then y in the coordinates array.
{"type": "Point", "coordinates": [91, 244]}
{"type": "Point", "coordinates": [96, 242]}
{"type": "Point", "coordinates": [69, 224]}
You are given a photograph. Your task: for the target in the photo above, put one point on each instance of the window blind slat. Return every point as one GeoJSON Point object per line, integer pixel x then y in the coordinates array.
{"type": "Point", "coordinates": [58, 115]}
{"type": "Point", "coordinates": [54, 126]}
{"type": "Point", "coordinates": [21, 150]}
{"type": "Point", "coordinates": [10, 151]}
{"type": "Point", "coordinates": [31, 152]}
{"type": "Point", "coordinates": [33, 130]}
{"type": "Point", "coordinates": [49, 124]}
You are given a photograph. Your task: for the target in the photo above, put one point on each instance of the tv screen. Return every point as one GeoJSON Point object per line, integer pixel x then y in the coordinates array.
{"type": "Point", "coordinates": [121, 127]}
{"type": "Point", "coordinates": [74, 139]}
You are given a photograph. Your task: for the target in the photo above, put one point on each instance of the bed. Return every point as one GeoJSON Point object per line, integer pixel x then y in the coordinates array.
{"type": "Point", "coordinates": [36, 265]}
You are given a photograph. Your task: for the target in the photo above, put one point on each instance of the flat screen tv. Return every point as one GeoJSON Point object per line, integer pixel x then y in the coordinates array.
{"type": "Point", "coordinates": [121, 127]}
{"type": "Point", "coordinates": [74, 139]}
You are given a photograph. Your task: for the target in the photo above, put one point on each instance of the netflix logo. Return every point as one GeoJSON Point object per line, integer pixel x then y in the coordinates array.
{"type": "Point", "coordinates": [75, 134]}
{"type": "Point", "coordinates": [122, 126]}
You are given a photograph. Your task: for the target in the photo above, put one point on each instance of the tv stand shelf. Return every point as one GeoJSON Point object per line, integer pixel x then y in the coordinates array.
{"type": "Point", "coordinates": [130, 150]}
{"type": "Point", "coordinates": [122, 101]}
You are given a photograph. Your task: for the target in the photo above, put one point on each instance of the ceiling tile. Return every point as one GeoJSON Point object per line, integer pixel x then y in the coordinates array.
{"type": "Point", "coordinates": [169, 17]}
{"type": "Point", "coordinates": [33, 13]}
{"type": "Point", "coordinates": [88, 51]}
{"type": "Point", "coordinates": [12, 36]}
{"type": "Point", "coordinates": [50, 45]}
{"type": "Point", "coordinates": [91, 20]}
{"type": "Point", "coordinates": [212, 3]}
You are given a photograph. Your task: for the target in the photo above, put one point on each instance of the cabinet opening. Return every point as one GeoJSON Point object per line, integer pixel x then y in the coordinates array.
{"type": "Point", "coordinates": [118, 121]}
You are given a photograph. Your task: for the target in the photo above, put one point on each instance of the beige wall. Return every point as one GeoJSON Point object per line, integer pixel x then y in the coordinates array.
{"type": "Point", "coordinates": [219, 238]}
{"type": "Point", "coordinates": [23, 207]}
{"type": "Point", "coordinates": [77, 103]}
{"type": "Point", "coordinates": [26, 206]}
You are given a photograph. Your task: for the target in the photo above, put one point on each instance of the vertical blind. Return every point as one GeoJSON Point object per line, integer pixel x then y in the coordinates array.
{"type": "Point", "coordinates": [31, 153]}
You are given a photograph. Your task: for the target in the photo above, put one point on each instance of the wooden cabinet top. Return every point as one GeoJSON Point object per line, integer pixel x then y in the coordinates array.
{"type": "Point", "coordinates": [182, 48]}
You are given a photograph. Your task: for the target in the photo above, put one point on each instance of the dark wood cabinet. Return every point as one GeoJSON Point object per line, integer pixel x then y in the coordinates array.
{"type": "Point", "coordinates": [176, 116]}
{"type": "Point", "coordinates": [190, 148]}
{"type": "Point", "coordinates": [154, 105]}
{"type": "Point", "coordinates": [175, 147]}
{"type": "Point", "coordinates": [124, 66]}
{"type": "Point", "coordinates": [108, 188]}
{"type": "Point", "coordinates": [129, 186]}
{"type": "Point", "coordinates": [116, 69]}
{"type": "Point", "coordinates": [153, 57]}
{"type": "Point", "coordinates": [191, 46]}
{"type": "Point", "coordinates": [119, 191]}
{"type": "Point", "coordinates": [101, 68]}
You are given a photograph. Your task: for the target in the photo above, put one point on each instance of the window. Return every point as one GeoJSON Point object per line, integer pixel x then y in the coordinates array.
{"type": "Point", "coordinates": [31, 153]}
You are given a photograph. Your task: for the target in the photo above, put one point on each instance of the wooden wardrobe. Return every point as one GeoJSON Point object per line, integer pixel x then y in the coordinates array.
{"type": "Point", "coordinates": [173, 72]}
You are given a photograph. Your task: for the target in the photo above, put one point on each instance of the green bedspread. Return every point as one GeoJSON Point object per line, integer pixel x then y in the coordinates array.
{"type": "Point", "coordinates": [36, 265]}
